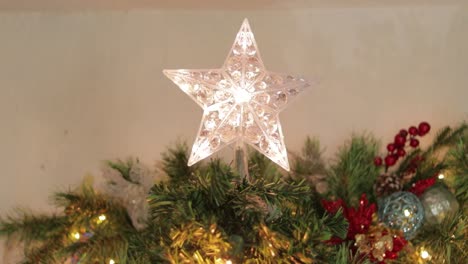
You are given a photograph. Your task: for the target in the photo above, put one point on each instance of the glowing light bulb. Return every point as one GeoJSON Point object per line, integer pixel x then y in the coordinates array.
{"type": "Point", "coordinates": [241, 96]}
{"type": "Point", "coordinates": [76, 235]}
{"type": "Point", "coordinates": [101, 219]}
{"type": "Point", "coordinates": [221, 261]}
{"type": "Point", "coordinates": [406, 212]}
{"type": "Point", "coordinates": [425, 254]}
{"type": "Point", "coordinates": [441, 176]}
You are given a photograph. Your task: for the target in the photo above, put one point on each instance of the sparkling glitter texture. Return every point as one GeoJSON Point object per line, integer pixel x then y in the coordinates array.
{"type": "Point", "coordinates": [438, 203]}
{"type": "Point", "coordinates": [241, 101]}
{"type": "Point", "coordinates": [402, 211]}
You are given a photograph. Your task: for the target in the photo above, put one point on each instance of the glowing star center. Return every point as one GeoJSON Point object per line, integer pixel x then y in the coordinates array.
{"type": "Point", "coordinates": [241, 96]}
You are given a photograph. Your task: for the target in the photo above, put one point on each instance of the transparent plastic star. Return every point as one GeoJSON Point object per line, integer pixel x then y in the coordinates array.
{"type": "Point", "coordinates": [241, 101]}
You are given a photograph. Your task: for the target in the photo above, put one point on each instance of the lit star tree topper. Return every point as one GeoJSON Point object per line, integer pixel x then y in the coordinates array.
{"type": "Point", "coordinates": [241, 101]}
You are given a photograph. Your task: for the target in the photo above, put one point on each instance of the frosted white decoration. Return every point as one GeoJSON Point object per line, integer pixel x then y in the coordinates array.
{"type": "Point", "coordinates": [241, 101]}
{"type": "Point", "coordinates": [133, 195]}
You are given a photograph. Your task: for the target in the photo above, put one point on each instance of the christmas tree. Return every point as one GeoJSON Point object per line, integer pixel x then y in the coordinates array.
{"type": "Point", "coordinates": [406, 207]}
{"type": "Point", "coordinates": [208, 213]}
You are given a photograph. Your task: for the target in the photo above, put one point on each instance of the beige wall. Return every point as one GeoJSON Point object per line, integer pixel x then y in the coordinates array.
{"type": "Point", "coordinates": [77, 88]}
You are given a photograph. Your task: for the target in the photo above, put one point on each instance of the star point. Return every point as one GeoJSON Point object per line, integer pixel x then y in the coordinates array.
{"type": "Point", "coordinates": [241, 101]}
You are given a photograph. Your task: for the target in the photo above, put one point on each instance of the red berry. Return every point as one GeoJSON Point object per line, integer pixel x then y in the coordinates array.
{"type": "Point", "coordinates": [378, 161]}
{"type": "Point", "coordinates": [413, 131]}
{"type": "Point", "coordinates": [424, 128]}
{"type": "Point", "coordinates": [390, 160]}
{"type": "Point", "coordinates": [399, 140]}
{"type": "Point", "coordinates": [401, 152]}
{"type": "Point", "coordinates": [391, 147]}
{"type": "Point", "coordinates": [414, 143]}
{"type": "Point", "coordinates": [403, 133]}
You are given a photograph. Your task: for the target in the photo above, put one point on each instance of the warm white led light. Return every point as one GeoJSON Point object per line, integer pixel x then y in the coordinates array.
{"type": "Point", "coordinates": [424, 254]}
{"type": "Point", "coordinates": [241, 96]}
{"type": "Point", "coordinates": [241, 101]}
{"type": "Point", "coordinates": [406, 212]}
{"type": "Point", "coordinates": [441, 176]}
{"type": "Point", "coordinates": [111, 261]}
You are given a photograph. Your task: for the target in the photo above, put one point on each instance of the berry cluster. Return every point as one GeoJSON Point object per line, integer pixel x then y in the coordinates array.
{"type": "Point", "coordinates": [413, 165]}
{"type": "Point", "coordinates": [396, 149]}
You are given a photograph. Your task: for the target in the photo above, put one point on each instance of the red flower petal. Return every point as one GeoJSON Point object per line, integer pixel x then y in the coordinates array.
{"type": "Point", "coordinates": [421, 186]}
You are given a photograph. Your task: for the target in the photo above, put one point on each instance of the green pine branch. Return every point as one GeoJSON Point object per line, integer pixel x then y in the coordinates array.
{"type": "Point", "coordinates": [124, 168]}
{"type": "Point", "coordinates": [310, 162]}
{"type": "Point", "coordinates": [32, 227]}
{"type": "Point", "coordinates": [354, 172]}
{"type": "Point", "coordinates": [447, 241]}
{"type": "Point", "coordinates": [260, 167]}
{"type": "Point", "coordinates": [457, 162]}
{"type": "Point", "coordinates": [203, 213]}
{"type": "Point", "coordinates": [175, 161]}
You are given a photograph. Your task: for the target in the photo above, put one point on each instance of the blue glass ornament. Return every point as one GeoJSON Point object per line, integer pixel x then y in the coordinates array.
{"type": "Point", "coordinates": [402, 211]}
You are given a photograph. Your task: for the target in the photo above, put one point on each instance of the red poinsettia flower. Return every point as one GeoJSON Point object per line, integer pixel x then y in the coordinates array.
{"type": "Point", "coordinates": [333, 206]}
{"type": "Point", "coordinates": [359, 219]}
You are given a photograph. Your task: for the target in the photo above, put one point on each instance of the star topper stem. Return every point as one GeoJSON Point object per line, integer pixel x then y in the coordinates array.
{"type": "Point", "coordinates": [241, 162]}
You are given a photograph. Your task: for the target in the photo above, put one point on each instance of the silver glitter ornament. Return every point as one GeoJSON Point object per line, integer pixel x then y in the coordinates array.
{"type": "Point", "coordinates": [402, 211]}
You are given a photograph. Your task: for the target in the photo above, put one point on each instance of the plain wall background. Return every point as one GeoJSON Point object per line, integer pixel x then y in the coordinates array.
{"type": "Point", "coordinates": [77, 88]}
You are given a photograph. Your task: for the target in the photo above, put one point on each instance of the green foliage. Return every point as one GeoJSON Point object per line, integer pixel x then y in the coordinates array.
{"type": "Point", "coordinates": [336, 224]}
{"type": "Point", "coordinates": [457, 161]}
{"type": "Point", "coordinates": [208, 213]}
{"type": "Point", "coordinates": [260, 167]}
{"type": "Point", "coordinates": [32, 227]}
{"type": "Point", "coordinates": [175, 164]}
{"type": "Point", "coordinates": [447, 241]}
{"type": "Point", "coordinates": [50, 239]}
{"type": "Point", "coordinates": [344, 255]}
{"type": "Point", "coordinates": [353, 171]}
{"type": "Point", "coordinates": [311, 161]}
{"type": "Point", "coordinates": [124, 168]}
{"type": "Point", "coordinates": [259, 212]}
{"type": "Point", "coordinates": [432, 163]}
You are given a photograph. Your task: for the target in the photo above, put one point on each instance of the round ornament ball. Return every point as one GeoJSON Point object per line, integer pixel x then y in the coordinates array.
{"type": "Point", "coordinates": [401, 152]}
{"type": "Point", "coordinates": [402, 211]}
{"type": "Point", "coordinates": [424, 128]}
{"type": "Point", "coordinates": [400, 140]}
{"type": "Point", "coordinates": [438, 202]}
{"type": "Point", "coordinates": [403, 133]}
{"type": "Point", "coordinates": [413, 131]}
{"type": "Point", "coordinates": [414, 143]}
{"type": "Point", "coordinates": [390, 160]}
